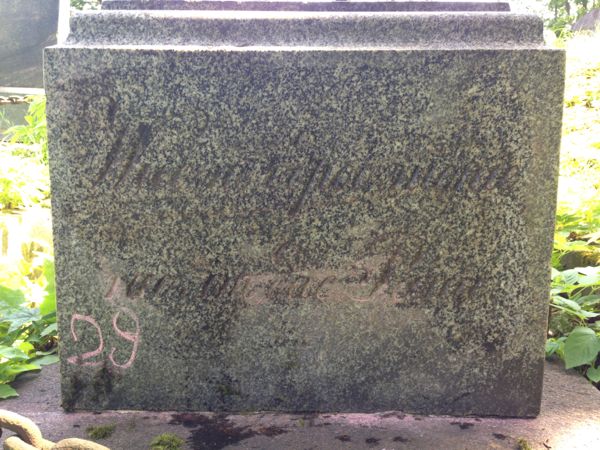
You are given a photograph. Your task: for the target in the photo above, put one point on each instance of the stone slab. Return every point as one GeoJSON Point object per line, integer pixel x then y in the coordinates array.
{"type": "Point", "coordinates": [309, 5]}
{"type": "Point", "coordinates": [569, 420]}
{"type": "Point", "coordinates": [302, 225]}
{"type": "Point", "coordinates": [26, 27]}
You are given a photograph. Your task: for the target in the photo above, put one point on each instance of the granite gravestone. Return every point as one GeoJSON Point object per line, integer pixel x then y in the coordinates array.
{"type": "Point", "coordinates": [26, 27]}
{"type": "Point", "coordinates": [307, 210]}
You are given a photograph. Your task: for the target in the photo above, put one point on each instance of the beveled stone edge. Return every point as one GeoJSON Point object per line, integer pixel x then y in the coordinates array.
{"type": "Point", "coordinates": [305, 29]}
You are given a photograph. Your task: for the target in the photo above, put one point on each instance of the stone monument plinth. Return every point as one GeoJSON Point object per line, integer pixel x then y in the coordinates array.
{"type": "Point", "coordinates": [345, 209]}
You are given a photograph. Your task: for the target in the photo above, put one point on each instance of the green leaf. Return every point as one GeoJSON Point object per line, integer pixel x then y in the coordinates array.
{"type": "Point", "coordinates": [21, 317]}
{"type": "Point", "coordinates": [26, 347]}
{"type": "Point", "coordinates": [581, 347]}
{"type": "Point", "coordinates": [593, 374]}
{"type": "Point", "coordinates": [569, 304]}
{"type": "Point", "coordinates": [551, 347]}
{"type": "Point", "coordinates": [589, 300]}
{"type": "Point", "coordinates": [49, 330]}
{"type": "Point", "coordinates": [569, 276]}
{"type": "Point", "coordinates": [13, 353]}
{"type": "Point", "coordinates": [7, 392]}
{"type": "Point", "coordinates": [9, 371]}
{"type": "Point", "coordinates": [48, 305]}
{"type": "Point", "coordinates": [11, 298]}
{"type": "Point", "coordinates": [45, 360]}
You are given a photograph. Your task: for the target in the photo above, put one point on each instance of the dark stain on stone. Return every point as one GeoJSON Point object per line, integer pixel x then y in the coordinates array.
{"type": "Point", "coordinates": [72, 392]}
{"type": "Point", "coordinates": [400, 439]}
{"type": "Point", "coordinates": [500, 436]}
{"type": "Point", "coordinates": [270, 431]}
{"type": "Point", "coordinates": [343, 438]}
{"type": "Point", "coordinates": [372, 440]}
{"type": "Point", "coordinates": [324, 424]}
{"type": "Point", "coordinates": [102, 384]}
{"type": "Point", "coordinates": [217, 432]}
{"type": "Point", "coordinates": [463, 425]}
{"type": "Point", "coordinates": [393, 414]}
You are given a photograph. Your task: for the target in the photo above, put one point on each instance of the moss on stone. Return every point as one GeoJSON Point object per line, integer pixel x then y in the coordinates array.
{"type": "Point", "coordinates": [524, 444]}
{"type": "Point", "coordinates": [101, 431]}
{"type": "Point", "coordinates": [167, 441]}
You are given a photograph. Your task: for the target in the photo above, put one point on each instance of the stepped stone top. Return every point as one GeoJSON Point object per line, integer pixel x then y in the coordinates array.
{"type": "Point", "coordinates": [339, 24]}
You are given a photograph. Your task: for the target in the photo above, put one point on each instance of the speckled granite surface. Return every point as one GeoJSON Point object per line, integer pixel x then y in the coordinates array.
{"type": "Point", "coordinates": [284, 227]}
{"type": "Point", "coordinates": [310, 5]}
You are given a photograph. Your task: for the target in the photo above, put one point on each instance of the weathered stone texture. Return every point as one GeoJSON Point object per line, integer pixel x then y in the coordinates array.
{"type": "Point", "coordinates": [308, 5]}
{"type": "Point", "coordinates": [304, 228]}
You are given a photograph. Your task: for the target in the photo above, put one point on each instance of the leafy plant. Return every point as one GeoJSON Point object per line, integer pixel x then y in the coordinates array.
{"type": "Point", "coordinates": [574, 325]}
{"type": "Point", "coordinates": [27, 333]}
{"type": "Point", "coordinates": [32, 137]}
{"type": "Point", "coordinates": [24, 178]}
{"type": "Point", "coordinates": [85, 4]}
{"type": "Point", "coordinates": [575, 319]}
{"type": "Point", "coordinates": [28, 336]}
{"type": "Point", "coordinates": [4, 122]}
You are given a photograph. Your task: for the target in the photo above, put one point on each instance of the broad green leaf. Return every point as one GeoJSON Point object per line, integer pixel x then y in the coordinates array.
{"type": "Point", "coordinates": [551, 347]}
{"type": "Point", "coordinates": [21, 317]}
{"type": "Point", "coordinates": [7, 392]}
{"type": "Point", "coordinates": [13, 353]}
{"type": "Point", "coordinates": [8, 372]}
{"type": "Point", "coordinates": [570, 304]}
{"type": "Point", "coordinates": [26, 347]}
{"type": "Point", "coordinates": [589, 280]}
{"type": "Point", "coordinates": [593, 374]}
{"type": "Point", "coordinates": [587, 314]}
{"type": "Point", "coordinates": [11, 297]}
{"type": "Point", "coordinates": [45, 360]}
{"type": "Point", "coordinates": [569, 276]}
{"type": "Point", "coordinates": [49, 330]}
{"type": "Point", "coordinates": [589, 300]}
{"type": "Point", "coordinates": [554, 273]}
{"type": "Point", "coordinates": [581, 347]}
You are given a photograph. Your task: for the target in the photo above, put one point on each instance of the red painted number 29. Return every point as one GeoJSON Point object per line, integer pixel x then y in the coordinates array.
{"type": "Point", "coordinates": [89, 358]}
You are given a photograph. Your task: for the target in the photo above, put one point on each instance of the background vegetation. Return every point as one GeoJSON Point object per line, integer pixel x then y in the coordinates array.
{"type": "Point", "coordinates": [28, 335]}
{"type": "Point", "coordinates": [565, 12]}
{"type": "Point", "coordinates": [574, 329]}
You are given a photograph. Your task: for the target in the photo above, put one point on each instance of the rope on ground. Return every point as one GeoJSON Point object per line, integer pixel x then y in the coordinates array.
{"type": "Point", "coordinates": [29, 436]}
